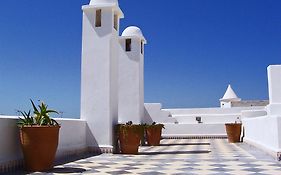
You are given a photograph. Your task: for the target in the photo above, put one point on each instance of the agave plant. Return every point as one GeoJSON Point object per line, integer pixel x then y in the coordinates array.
{"type": "Point", "coordinates": [27, 119]}
{"type": "Point", "coordinates": [41, 116]}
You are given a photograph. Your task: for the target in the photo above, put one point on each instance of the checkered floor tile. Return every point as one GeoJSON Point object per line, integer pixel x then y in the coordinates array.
{"type": "Point", "coordinates": [179, 156]}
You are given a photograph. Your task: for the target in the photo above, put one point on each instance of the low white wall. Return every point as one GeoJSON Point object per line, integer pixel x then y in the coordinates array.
{"type": "Point", "coordinates": [209, 115]}
{"type": "Point", "coordinates": [153, 113]}
{"type": "Point", "coordinates": [182, 121]}
{"type": "Point", "coordinates": [204, 111]}
{"type": "Point", "coordinates": [253, 113]}
{"type": "Point", "coordinates": [207, 118]}
{"type": "Point", "coordinates": [72, 138]}
{"type": "Point", "coordinates": [9, 140]}
{"type": "Point", "coordinates": [264, 132]}
{"type": "Point", "coordinates": [181, 130]}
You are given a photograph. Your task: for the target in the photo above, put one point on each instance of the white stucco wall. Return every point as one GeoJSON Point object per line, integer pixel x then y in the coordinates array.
{"type": "Point", "coordinates": [99, 79]}
{"type": "Point", "coordinates": [72, 138]}
{"type": "Point", "coordinates": [9, 139]}
{"type": "Point", "coordinates": [153, 113]}
{"type": "Point", "coordinates": [253, 113]}
{"type": "Point", "coordinates": [208, 118]}
{"type": "Point", "coordinates": [274, 86]}
{"type": "Point", "coordinates": [131, 95]}
{"type": "Point", "coordinates": [185, 130]}
{"type": "Point", "coordinates": [208, 115]}
{"type": "Point", "coordinates": [199, 111]}
{"type": "Point", "coordinates": [264, 132]}
{"type": "Point", "coordinates": [225, 104]}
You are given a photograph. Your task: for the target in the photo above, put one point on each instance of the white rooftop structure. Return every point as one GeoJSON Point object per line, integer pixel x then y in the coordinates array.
{"type": "Point", "coordinates": [96, 2]}
{"type": "Point", "coordinates": [133, 31]}
{"type": "Point", "coordinates": [230, 95]}
{"type": "Point", "coordinates": [104, 4]}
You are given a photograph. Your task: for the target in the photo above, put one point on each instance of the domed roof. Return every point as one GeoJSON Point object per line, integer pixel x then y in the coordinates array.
{"type": "Point", "coordinates": [133, 31]}
{"type": "Point", "coordinates": [94, 2]}
{"type": "Point", "coordinates": [230, 95]}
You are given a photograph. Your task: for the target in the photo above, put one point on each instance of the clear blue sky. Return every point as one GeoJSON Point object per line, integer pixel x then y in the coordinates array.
{"type": "Point", "coordinates": [195, 49]}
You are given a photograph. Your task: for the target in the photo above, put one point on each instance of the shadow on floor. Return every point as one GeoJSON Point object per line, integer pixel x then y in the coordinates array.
{"type": "Point", "coordinates": [183, 144]}
{"type": "Point", "coordinates": [74, 158]}
{"type": "Point", "coordinates": [175, 152]}
{"type": "Point", "coordinates": [66, 170]}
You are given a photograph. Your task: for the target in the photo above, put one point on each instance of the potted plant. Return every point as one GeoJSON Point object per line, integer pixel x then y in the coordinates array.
{"type": "Point", "coordinates": [233, 131]}
{"type": "Point", "coordinates": [129, 136]}
{"type": "Point", "coordinates": [39, 135]}
{"type": "Point", "coordinates": [153, 133]}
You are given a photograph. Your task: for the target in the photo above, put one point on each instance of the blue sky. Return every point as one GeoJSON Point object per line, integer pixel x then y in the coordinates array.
{"type": "Point", "coordinates": [195, 49]}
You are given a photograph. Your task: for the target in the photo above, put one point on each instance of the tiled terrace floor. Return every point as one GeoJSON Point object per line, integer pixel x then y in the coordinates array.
{"type": "Point", "coordinates": [180, 156]}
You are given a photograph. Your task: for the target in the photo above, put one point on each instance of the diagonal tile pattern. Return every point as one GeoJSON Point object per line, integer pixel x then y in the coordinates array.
{"type": "Point", "coordinates": [179, 156]}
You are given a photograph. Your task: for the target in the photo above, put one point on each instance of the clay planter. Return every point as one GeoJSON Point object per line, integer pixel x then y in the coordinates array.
{"type": "Point", "coordinates": [153, 134]}
{"type": "Point", "coordinates": [39, 145]}
{"type": "Point", "coordinates": [130, 137]}
{"type": "Point", "coordinates": [233, 131]}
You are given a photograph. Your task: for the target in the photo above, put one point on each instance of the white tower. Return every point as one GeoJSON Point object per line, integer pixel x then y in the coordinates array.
{"type": "Point", "coordinates": [229, 97]}
{"type": "Point", "coordinates": [131, 87]}
{"type": "Point", "coordinates": [99, 86]}
{"type": "Point", "coordinates": [274, 87]}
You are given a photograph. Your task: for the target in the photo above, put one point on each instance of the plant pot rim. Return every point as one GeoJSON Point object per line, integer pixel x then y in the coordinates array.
{"type": "Point", "coordinates": [233, 123]}
{"type": "Point", "coordinates": [156, 125]}
{"type": "Point", "coordinates": [42, 126]}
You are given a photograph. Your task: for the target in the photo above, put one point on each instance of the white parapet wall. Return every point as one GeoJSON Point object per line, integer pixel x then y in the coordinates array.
{"type": "Point", "coordinates": [153, 113]}
{"type": "Point", "coordinates": [192, 130]}
{"type": "Point", "coordinates": [199, 111]}
{"type": "Point", "coordinates": [274, 88]}
{"type": "Point", "coordinates": [72, 140]}
{"type": "Point", "coordinates": [264, 131]}
{"type": "Point", "coordinates": [208, 115]}
{"type": "Point", "coordinates": [253, 113]}
{"type": "Point", "coordinates": [182, 122]}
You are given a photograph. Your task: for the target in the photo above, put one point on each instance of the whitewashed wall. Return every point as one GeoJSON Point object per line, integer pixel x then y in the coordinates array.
{"type": "Point", "coordinates": [208, 115]}
{"type": "Point", "coordinates": [131, 100]}
{"type": "Point", "coordinates": [72, 138]}
{"type": "Point", "coordinates": [199, 111]}
{"type": "Point", "coordinates": [153, 113]}
{"type": "Point", "coordinates": [187, 130]}
{"type": "Point", "coordinates": [263, 130]}
{"type": "Point", "coordinates": [99, 75]}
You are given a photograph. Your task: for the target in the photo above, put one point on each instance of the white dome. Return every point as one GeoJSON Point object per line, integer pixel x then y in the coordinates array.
{"type": "Point", "coordinates": [230, 95]}
{"type": "Point", "coordinates": [133, 31]}
{"type": "Point", "coordinates": [95, 2]}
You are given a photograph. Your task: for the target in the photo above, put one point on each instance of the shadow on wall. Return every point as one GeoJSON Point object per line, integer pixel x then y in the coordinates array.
{"type": "Point", "coordinates": [91, 141]}
{"type": "Point", "coordinates": [147, 117]}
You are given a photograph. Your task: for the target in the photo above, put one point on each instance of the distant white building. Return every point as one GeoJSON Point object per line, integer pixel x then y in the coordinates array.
{"type": "Point", "coordinates": [230, 100]}
{"type": "Point", "coordinates": [229, 97]}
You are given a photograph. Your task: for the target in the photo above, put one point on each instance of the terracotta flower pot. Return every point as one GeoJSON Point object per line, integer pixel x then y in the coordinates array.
{"type": "Point", "coordinates": [153, 134]}
{"type": "Point", "coordinates": [39, 145]}
{"type": "Point", "coordinates": [130, 137]}
{"type": "Point", "coordinates": [233, 131]}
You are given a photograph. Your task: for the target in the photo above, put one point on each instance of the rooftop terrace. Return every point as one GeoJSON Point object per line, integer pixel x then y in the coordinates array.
{"type": "Point", "coordinates": [178, 156]}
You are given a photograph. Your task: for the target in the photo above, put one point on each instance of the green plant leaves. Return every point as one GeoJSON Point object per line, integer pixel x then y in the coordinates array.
{"type": "Point", "coordinates": [41, 116]}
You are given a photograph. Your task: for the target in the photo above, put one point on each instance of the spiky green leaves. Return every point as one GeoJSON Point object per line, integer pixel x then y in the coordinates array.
{"type": "Point", "coordinates": [41, 116]}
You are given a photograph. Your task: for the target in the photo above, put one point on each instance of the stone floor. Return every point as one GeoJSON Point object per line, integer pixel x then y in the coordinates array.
{"type": "Point", "coordinates": [179, 156]}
